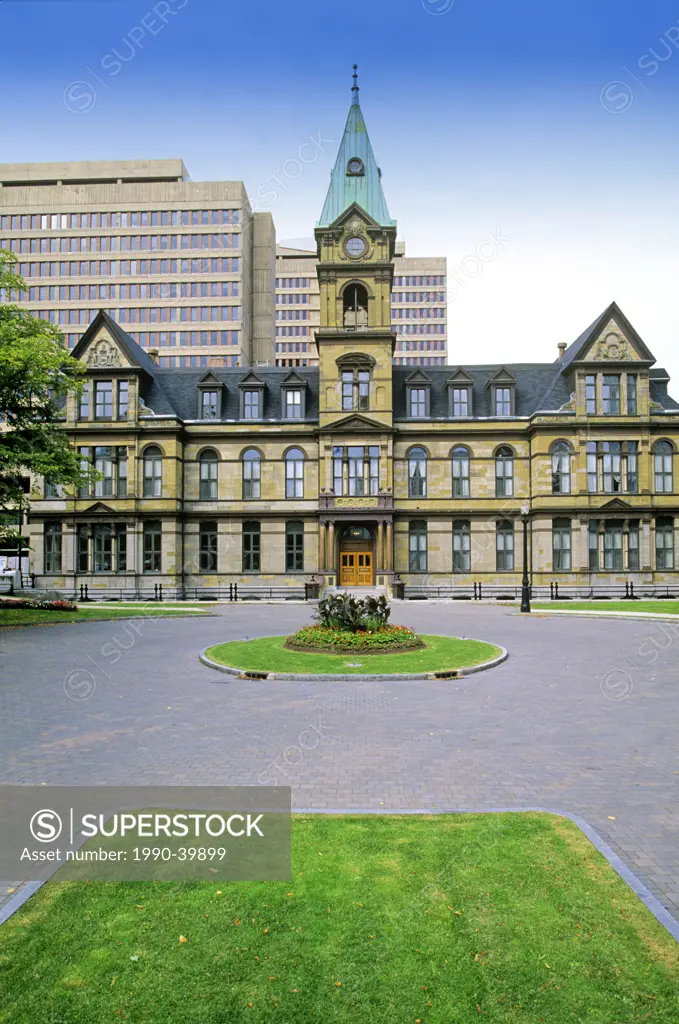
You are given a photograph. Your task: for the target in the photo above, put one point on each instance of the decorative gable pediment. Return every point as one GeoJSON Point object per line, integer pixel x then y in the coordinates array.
{"type": "Point", "coordinates": [105, 346]}
{"type": "Point", "coordinates": [459, 378]}
{"type": "Point", "coordinates": [354, 218]}
{"type": "Point", "coordinates": [616, 503]}
{"type": "Point", "coordinates": [356, 423]}
{"type": "Point", "coordinates": [503, 378]}
{"type": "Point", "coordinates": [355, 361]}
{"type": "Point", "coordinates": [611, 339]}
{"type": "Point", "coordinates": [251, 380]}
{"type": "Point", "coordinates": [208, 380]}
{"type": "Point", "coordinates": [612, 344]}
{"type": "Point", "coordinates": [418, 377]}
{"type": "Point", "coordinates": [99, 507]}
{"type": "Point", "coordinates": [293, 380]}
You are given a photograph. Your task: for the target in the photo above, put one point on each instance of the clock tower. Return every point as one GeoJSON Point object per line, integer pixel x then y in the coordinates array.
{"type": "Point", "coordinates": [355, 239]}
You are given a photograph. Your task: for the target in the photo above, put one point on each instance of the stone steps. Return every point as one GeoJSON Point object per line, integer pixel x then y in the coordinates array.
{"type": "Point", "coordinates": [358, 592]}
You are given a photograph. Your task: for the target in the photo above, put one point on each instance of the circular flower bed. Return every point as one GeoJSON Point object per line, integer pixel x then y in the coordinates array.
{"type": "Point", "coordinates": [385, 640]}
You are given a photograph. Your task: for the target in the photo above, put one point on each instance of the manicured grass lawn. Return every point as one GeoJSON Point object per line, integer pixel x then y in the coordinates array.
{"type": "Point", "coordinates": [28, 617]}
{"type": "Point", "coordinates": [267, 654]}
{"type": "Point", "coordinates": [659, 607]}
{"type": "Point", "coordinates": [509, 919]}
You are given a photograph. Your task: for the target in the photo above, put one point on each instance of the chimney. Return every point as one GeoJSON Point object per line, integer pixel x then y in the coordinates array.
{"type": "Point", "coordinates": [562, 348]}
{"type": "Point", "coordinates": [153, 355]}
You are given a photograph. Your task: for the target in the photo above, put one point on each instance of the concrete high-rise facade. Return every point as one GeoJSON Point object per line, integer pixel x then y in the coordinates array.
{"type": "Point", "coordinates": [418, 308]}
{"type": "Point", "coordinates": [184, 266]}
{"type": "Point", "coordinates": [297, 307]}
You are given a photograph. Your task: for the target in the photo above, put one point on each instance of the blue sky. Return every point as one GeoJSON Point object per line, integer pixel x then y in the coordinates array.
{"type": "Point", "coordinates": [554, 124]}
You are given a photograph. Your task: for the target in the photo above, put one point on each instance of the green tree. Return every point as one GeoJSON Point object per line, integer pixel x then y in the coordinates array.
{"type": "Point", "coordinates": [36, 376]}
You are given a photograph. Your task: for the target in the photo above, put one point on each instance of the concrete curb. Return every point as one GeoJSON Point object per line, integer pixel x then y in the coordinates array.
{"type": "Point", "coordinates": [443, 674]}
{"type": "Point", "coordinates": [18, 899]}
{"type": "Point", "coordinates": [661, 913]}
{"type": "Point", "coordinates": [657, 616]}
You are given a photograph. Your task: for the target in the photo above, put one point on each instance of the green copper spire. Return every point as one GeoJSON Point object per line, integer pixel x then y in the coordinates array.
{"type": "Point", "coordinates": [356, 176]}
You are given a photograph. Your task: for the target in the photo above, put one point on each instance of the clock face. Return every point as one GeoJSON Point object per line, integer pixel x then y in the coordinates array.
{"type": "Point", "coordinates": [355, 246]}
{"type": "Point", "coordinates": [355, 166]}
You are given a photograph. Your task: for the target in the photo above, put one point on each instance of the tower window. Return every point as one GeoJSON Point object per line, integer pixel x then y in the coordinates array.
{"type": "Point", "coordinates": [355, 166]}
{"type": "Point", "coordinates": [355, 390]}
{"type": "Point", "coordinates": [355, 300]}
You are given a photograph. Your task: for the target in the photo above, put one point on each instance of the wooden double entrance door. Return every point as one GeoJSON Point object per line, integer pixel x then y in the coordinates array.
{"type": "Point", "coordinates": [356, 567]}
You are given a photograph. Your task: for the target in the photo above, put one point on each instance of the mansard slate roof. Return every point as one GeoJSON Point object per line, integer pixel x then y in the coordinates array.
{"type": "Point", "coordinates": [364, 189]}
{"type": "Point", "coordinates": [539, 387]}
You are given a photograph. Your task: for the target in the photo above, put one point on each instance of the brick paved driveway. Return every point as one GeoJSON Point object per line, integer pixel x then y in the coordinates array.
{"type": "Point", "coordinates": [555, 726]}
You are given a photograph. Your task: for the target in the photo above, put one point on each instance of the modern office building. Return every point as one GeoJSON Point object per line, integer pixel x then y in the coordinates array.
{"type": "Point", "coordinates": [297, 307]}
{"type": "Point", "coordinates": [185, 267]}
{"type": "Point", "coordinates": [356, 470]}
{"type": "Point", "coordinates": [418, 308]}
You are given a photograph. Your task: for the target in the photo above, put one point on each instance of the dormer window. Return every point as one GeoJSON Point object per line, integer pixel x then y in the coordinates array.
{"type": "Point", "coordinates": [460, 402]}
{"type": "Point", "coordinates": [503, 393]}
{"type": "Point", "coordinates": [355, 167]}
{"type": "Point", "coordinates": [293, 397]}
{"type": "Point", "coordinates": [459, 394]}
{"type": "Point", "coordinates": [252, 405]}
{"type": "Point", "coordinates": [209, 397]}
{"type": "Point", "coordinates": [252, 397]}
{"type": "Point", "coordinates": [502, 401]}
{"type": "Point", "coordinates": [418, 402]}
{"type": "Point", "coordinates": [209, 405]}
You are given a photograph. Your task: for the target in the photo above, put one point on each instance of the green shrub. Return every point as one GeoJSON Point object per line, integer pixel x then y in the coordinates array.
{"type": "Point", "coordinates": [327, 638]}
{"type": "Point", "coordinates": [343, 612]}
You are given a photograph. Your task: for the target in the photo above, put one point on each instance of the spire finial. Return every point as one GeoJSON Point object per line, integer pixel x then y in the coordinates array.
{"type": "Point", "coordinates": [354, 88]}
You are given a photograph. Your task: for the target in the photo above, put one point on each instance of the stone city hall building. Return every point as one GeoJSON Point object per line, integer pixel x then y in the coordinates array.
{"type": "Point", "coordinates": [358, 469]}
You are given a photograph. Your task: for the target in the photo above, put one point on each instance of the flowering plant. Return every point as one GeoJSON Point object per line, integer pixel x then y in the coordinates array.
{"type": "Point", "coordinates": [397, 638]}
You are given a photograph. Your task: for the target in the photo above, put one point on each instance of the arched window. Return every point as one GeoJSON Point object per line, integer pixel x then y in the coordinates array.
{"type": "Point", "coordinates": [252, 475]}
{"type": "Point", "coordinates": [662, 459]}
{"type": "Point", "coordinates": [208, 474]}
{"type": "Point", "coordinates": [294, 473]}
{"type": "Point", "coordinates": [153, 472]}
{"type": "Point", "coordinates": [417, 473]}
{"type": "Point", "coordinates": [355, 304]}
{"type": "Point", "coordinates": [460, 472]}
{"type": "Point", "coordinates": [561, 468]}
{"type": "Point", "coordinates": [504, 472]}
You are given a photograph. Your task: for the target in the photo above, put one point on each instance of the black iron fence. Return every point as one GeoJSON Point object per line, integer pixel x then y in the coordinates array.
{"type": "Point", "coordinates": [552, 591]}
{"type": "Point", "coordinates": [162, 592]}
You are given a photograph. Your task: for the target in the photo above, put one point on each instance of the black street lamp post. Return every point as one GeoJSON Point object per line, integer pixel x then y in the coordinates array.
{"type": "Point", "coordinates": [525, 585]}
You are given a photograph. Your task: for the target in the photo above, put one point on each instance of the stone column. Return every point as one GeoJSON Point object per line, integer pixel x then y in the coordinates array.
{"type": "Point", "coordinates": [646, 553]}
{"type": "Point", "coordinates": [389, 556]}
{"type": "Point", "coordinates": [583, 547]}
{"type": "Point", "coordinates": [379, 557]}
{"type": "Point", "coordinates": [330, 558]}
{"type": "Point", "coordinates": [321, 547]}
